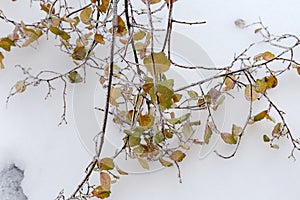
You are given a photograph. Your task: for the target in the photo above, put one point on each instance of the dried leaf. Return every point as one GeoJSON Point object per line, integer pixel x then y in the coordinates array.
{"type": "Point", "coordinates": [134, 140]}
{"type": "Point", "coordinates": [161, 63]}
{"type": "Point", "coordinates": [103, 6]}
{"type": "Point", "coordinates": [250, 93]}
{"type": "Point", "coordinates": [46, 8]}
{"type": "Point", "coordinates": [79, 53]}
{"type": "Point", "coordinates": [236, 130]}
{"type": "Point", "coordinates": [207, 134]}
{"type": "Point", "coordinates": [121, 29]}
{"type": "Point", "coordinates": [165, 163]}
{"type": "Point", "coordinates": [229, 82]}
{"type": "Point", "coordinates": [176, 97]}
{"type": "Point", "coordinates": [145, 121]}
{"type": "Point", "coordinates": [75, 77]}
{"type": "Point", "coordinates": [144, 163]}
{"type": "Point", "coordinates": [6, 43]}
{"type": "Point", "coordinates": [187, 131]}
{"type": "Point", "coordinates": [64, 35]}
{"type": "Point", "coordinates": [228, 138]}
{"type": "Point", "coordinates": [100, 193]}
{"type": "Point", "coordinates": [177, 156]}
{"type": "Point", "coordinates": [275, 146]}
{"type": "Point", "coordinates": [99, 38]}
{"type": "Point", "coordinates": [105, 181]}
{"type": "Point", "coordinates": [267, 56]}
{"type": "Point", "coordinates": [20, 86]}
{"type": "Point", "coordinates": [257, 30]}
{"type": "Point", "coordinates": [179, 120]}
{"type": "Point", "coordinates": [139, 35]}
{"type": "Point", "coordinates": [106, 164]}
{"type": "Point", "coordinates": [120, 171]}
{"type": "Point", "coordinates": [86, 15]}
{"type": "Point", "coordinates": [277, 129]}
{"type": "Point", "coordinates": [260, 85]}
{"type": "Point", "coordinates": [271, 81]}
{"type": "Point", "coordinates": [1, 61]}
{"type": "Point", "coordinates": [260, 116]}
{"type": "Point", "coordinates": [115, 93]}
{"type": "Point", "coordinates": [32, 34]}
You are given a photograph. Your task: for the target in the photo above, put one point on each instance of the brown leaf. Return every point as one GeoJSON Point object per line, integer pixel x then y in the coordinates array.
{"type": "Point", "coordinates": [103, 6]}
{"type": "Point", "coordinates": [105, 181]}
{"type": "Point", "coordinates": [99, 38]}
{"type": "Point", "coordinates": [250, 93]}
{"type": "Point", "coordinates": [79, 53]}
{"type": "Point", "coordinates": [165, 163]}
{"type": "Point", "coordinates": [86, 15]}
{"type": "Point", "coordinates": [229, 82]}
{"type": "Point", "coordinates": [145, 120]}
{"type": "Point", "coordinates": [121, 172]}
{"type": "Point", "coordinates": [260, 116]}
{"type": "Point", "coordinates": [1, 61]}
{"type": "Point", "coordinates": [177, 156]}
{"type": "Point", "coordinates": [100, 193]}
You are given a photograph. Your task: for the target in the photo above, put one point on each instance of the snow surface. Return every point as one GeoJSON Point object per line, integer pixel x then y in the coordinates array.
{"type": "Point", "coordinates": [54, 159]}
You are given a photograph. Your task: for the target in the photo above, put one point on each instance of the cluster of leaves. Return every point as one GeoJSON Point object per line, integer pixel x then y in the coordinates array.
{"type": "Point", "coordinates": [156, 119]}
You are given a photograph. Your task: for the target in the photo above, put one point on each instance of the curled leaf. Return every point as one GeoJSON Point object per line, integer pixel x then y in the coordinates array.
{"type": "Point", "coordinates": [99, 38]}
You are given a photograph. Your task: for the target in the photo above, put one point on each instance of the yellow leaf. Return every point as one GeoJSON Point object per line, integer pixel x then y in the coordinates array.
{"type": "Point", "coordinates": [100, 193]}
{"type": "Point", "coordinates": [267, 56]}
{"type": "Point", "coordinates": [115, 93]}
{"type": "Point", "coordinates": [228, 138]}
{"type": "Point", "coordinates": [99, 38]}
{"type": "Point", "coordinates": [139, 35]}
{"type": "Point", "coordinates": [60, 33]}
{"type": "Point", "coordinates": [261, 85]}
{"type": "Point", "coordinates": [177, 156]}
{"type": "Point", "coordinates": [165, 163]}
{"type": "Point", "coordinates": [121, 172]}
{"type": "Point", "coordinates": [229, 82]}
{"type": "Point", "coordinates": [79, 53]}
{"type": "Point", "coordinates": [1, 61]}
{"type": "Point", "coordinates": [236, 130]}
{"type": "Point", "coordinates": [106, 164]}
{"type": "Point", "coordinates": [6, 43]}
{"type": "Point", "coordinates": [46, 8]}
{"type": "Point", "coordinates": [103, 6]}
{"type": "Point", "coordinates": [86, 15]}
{"type": "Point", "coordinates": [271, 81]}
{"type": "Point", "coordinates": [20, 86]}
{"type": "Point", "coordinates": [260, 116]}
{"type": "Point", "coordinates": [121, 30]}
{"type": "Point", "coordinates": [250, 93]}
{"type": "Point", "coordinates": [31, 34]}
{"type": "Point", "coordinates": [161, 63]}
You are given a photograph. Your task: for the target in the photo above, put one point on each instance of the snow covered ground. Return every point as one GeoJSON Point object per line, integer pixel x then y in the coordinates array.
{"type": "Point", "coordinates": [53, 157]}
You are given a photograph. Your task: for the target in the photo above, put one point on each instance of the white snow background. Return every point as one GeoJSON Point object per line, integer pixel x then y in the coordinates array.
{"type": "Point", "coordinates": [53, 158]}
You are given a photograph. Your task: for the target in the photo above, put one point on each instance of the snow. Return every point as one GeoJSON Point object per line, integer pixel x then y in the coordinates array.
{"type": "Point", "coordinates": [53, 157]}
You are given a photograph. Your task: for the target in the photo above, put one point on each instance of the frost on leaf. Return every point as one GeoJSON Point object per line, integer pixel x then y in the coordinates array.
{"type": "Point", "coordinates": [75, 77]}
{"type": "Point", "coordinates": [177, 156]}
{"type": "Point", "coordinates": [86, 15]}
{"type": "Point", "coordinates": [250, 93]}
{"type": "Point", "coordinates": [20, 86]}
{"type": "Point", "coordinates": [106, 164]}
{"type": "Point", "coordinates": [103, 6]}
{"type": "Point", "coordinates": [228, 138]}
{"type": "Point", "coordinates": [6, 43]}
{"type": "Point", "coordinates": [62, 34]}
{"type": "Point", "coordinates": [161, 63]}
{"type": "Point", "coordinates": [1, 61]}
{"type": "Point", "coordinates": [240, 23]}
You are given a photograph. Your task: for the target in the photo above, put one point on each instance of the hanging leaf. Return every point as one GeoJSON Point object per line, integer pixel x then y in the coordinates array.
{"type": "Point", "coordinates": [266, 138]}
{"type": "Point", "coordinates": [271, 81]}
{"type": "Point", "coordinates": [121, 29]}
{"type": "Point", "coordinates": [260, 85]}
{"type": "Point", "coordinates": [134, 140]}
{"type": "Point", "coordinates": [260, 116]}
{"type": "Point", "coordinates": [144, 163]}
{"type": "Point", "coordinates": [275, 146]}
{"type": "Point", "coordinates": [120, 171]}
{"type": "Point", "coordinates": [106, 164]}
{"type": "Point", "coordinates": [187, 131]}
{"type": "Point", "coordinates": [193, 94]}
{"type": "Point", "coordinates": [62, 34]}
{"type": "Point", "coordinates": [207, 134]}
{"type": "Point", "coordinates": [139, 35]}
{"type": "Point", "coordinates": [115, 93]}
{"type": "Point", "coordinates": [177, 156]}
{"type": "Point", "coordinates": [75, 77]}
{"type": "Point", "coordinates": [250, 93]}
{"type": "Point", "coordinates": [236, 130]}
{"type": "Point", "coordinates": [6, 43]}
{"type": "Point", "coordinates": [277, 129]}
{"type": "Point", "coordinates": [158, 137]}
{"type": "Point", "coordinates": [147, 87]}
{"type": "Point", "coordinates": [20, 86]}
{"type": "Point", "coordinates": [179, 120]}
{"type": "Point", "coordinates": [145, 121]}
{"type": "Point", "coordinates": [161, 63]}
{"type": "Point", "coordinates": [229, 82]}
{"type": "Point", "coordinates": [103, 6]}
{"type": "Point", "coordinates": [151, 1]}
{"type": "Point", "coordinates": [86, 15]}
{"type": "Point", "coordinates": [99, 38]}
{"type": "Point", "coordinates": [100, 193]}
{"type": "Point", "coordinates": [79, 53]}
{"type": "Point", "coordinates": [105, 181]}
{"type": "Point", "coordinates": [31, 34]}
{"type": "Point", "coordinates": [46, 8]}
{"type": "Point", "coordinates": [267, 56]}
{"type": "Point", "coordinates": [228, 138]}
{"type": "Point", "coordinates": [165, 163]}
{"type": "Point", "coordinates": [1, 61]}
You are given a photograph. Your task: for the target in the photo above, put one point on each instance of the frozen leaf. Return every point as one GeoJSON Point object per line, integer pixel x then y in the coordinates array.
{"type": "Point", "coordinates": [228, 138]}
{"type": "Point", "coordinates": [161, 63]}
{"type": "Point", "coordinates": [120, 171]}
{"type": "Point", "coordinates": [86, 15]}
{"type": "Point", "coordinates": [158, 137]}
{"type": "Point", "coordinates": [103, 6]}
{"type": "Point", "coordinates": [266, 138]}
{"type": "Point", "coordinates": [179, 120]}
{"type": "Point", "coordinates": [139, 35]}
{"type": "Point", "coordinates": [229, 82]}
{"type": "Point", "coordinates": [250, 93]}
{"type": "Point", "coordinates": [193, 94]}
{"type": "Point", "coordinates": [31, 34]}
{"type": "Point", "coordinates": [20, 86]}
{"type": "Point", "coordinates": [145, 121]}
{"type": "Point", "coordinates": [151, 1]}
{"type": "Point", "coordinates": [105, 181]}
{"type": "Point", "coordinates": [106, 164]}
{"type": "Point", "coordinates": [258, 57]}
{"type": "Point", "coordinates": [236, 130]}
{"type": "Point", "coordinates": [100, 193]}
{"type": "Point", "coordinates": [240, 23]}
{"type": "Point", "coordinates": [1, 61]}
{"type": "Point", "coordinates": [271, 81]}
{"type": "Point", "coordinates": [64, 35]}
{"type": "Point", "coordinates": [207, 134]}
{"type": "Point", "coordinates": [75, 77]}
{"type": "Point", "coordinates": [6, 43]}
{"type": "Point", "coordinates": [79, 53]}
{"type": "Point", "coordinates": [144, 163]}
{"type": "Point", "coordinates": [260, 85]}
{"type": "Point", "coordinates": [267, 56]}
{"type": "Point", "coordinates": [187, 131]}
{"type": "Point", "coordinates": [165, 163]}
{"type": "Point", "coordinates": [99, 38]}
{"type": "Point", "coordinates": [260, 116]}
{"type": "Point", "coordinates": [177, 156]}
